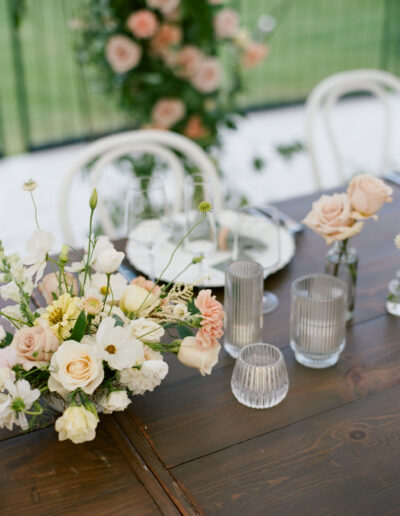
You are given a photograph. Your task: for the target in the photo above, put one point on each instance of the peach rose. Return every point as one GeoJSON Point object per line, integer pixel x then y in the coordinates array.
{"type": "Point", "coordinates": [148, 285]}
{"type": "Point", "coordinates": [254, 53]}
{"type": "Point", "coordinates": [189, 60]}
{"type": "Point", "coordinates": [212, 319]}
{"type": "Point", "coordinates": [166, 36]}
{"type": "Point", "coordinates": [49, 284]}
{"type": "Point", "coordinates": [167, 112]}
{"type": "Point", "coordinates": [226, 23]}
{"type": "Point", "coordinates": [122, 53]}
{"type": "Point", "coordinates": [368, 194]}
{"type": "Point", "coordinates": [34, 346]}
{"type": "Point", "coordinates": [165, 6]}
{"type": "Point", "coordinates": [208, 76]}
{"type": "Point", "coordinates": [331, 217]}
{"type": "Point", "coordinates": [143, 24]}
{"type": "Point", "coordinates": [195, 128]}
{"type": "Point", "coordinates": [192, 355]}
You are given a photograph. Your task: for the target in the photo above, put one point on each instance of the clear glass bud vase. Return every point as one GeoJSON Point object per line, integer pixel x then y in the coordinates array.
{"type": "Point", "coordinates": [342, 261]}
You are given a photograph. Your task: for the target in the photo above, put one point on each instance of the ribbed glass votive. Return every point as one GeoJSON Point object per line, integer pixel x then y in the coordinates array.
{"type": "Point", "coordinates": [260, 378]}
{"type": "Point", "coordinates": [243, 305]}
{"type": "Point", "coordinates": [318, 320]}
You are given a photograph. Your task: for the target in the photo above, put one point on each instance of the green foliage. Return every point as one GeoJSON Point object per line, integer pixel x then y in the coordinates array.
{"type": "Point", "coordinates": [79, 329]}
{"type": "Point", "coordinates": [7, 341]}
{"type": "Point", "coordinates": [184, 331]}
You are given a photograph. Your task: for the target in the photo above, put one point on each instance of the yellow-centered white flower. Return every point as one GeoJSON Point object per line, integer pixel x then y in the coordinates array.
{"type": "Point", "coordinates": [12, 407]}
{"type": "Point", "coordinates": [116, 346]}
{"type": "Point", "coordinates": [98, 285]}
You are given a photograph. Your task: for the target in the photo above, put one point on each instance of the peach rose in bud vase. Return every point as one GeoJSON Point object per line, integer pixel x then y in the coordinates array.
{"type": "Point", "coordinates": [143, 24]}
{"type": "Point", "coordinates": [368, 194]}
{"type": "Point", "coordinates": [331, 217]}
{"type": "Point", "coordinates": [34, 346]}
{"type": "Point", "coordinates": [212, 323]}
{"type": "Point", "coordinates": [167, 112]}
{"type": "Point", "coordinates": [254, 53]}
{"type": "Point", "coordinates": [208, 76]}
{"type": "Point", "coordinates": [122, 53]}
{"type": "Point", "coordinates": [193, 355]}
{"type": "Point", "coordinates": [77, 424]}
{"type": "Point", "coordinates": [50, 284]}
{"type": "Point", "coordinates": [226, 23]}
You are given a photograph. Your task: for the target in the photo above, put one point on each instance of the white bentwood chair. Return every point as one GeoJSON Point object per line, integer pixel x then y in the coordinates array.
{"type": "Point", "coordinates": [150, 141]}
{"type": "Point", "coordinates": [324, 97]}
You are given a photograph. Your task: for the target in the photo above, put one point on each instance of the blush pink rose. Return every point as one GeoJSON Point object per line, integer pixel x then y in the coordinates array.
{"type": "Point", "coordinates": [195, 129]}
{"type": "Point", "coordinates": [8, 357]}
{"type": "Point", "coordinates": [188, 61]}
{"type": "Point", "coordinates": [167, 112]}
{"type": "Point", "coordinates": [368, 194]}
{"type": "Point", "coordinates": [122, 53]}
{"type": "Point", "coordinates": [49, 284]}
{"type": "Point", "coordinates": [166, 36]}
{"type": "Point", "coordinates": [208, 76]}
{"type": "Point", "coordinates": [331, 217]}
{"type": "Point", "coordinates": [212, 319]}
{"type": "Point", "coordinates": [226, 23]}
{"type": "Point", "coordinates": [254, 53]}
{"type": "Point", "coordinates": [148, 285]}
{"type": "Point", "coordinates": [165, 6]}
{"type": "Point", "coordinates": [143, 24]}
{"type": "Point", "coordinates": [34, 346]}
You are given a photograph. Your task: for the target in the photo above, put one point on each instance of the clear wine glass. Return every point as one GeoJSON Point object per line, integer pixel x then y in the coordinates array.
{"type": "Point", "coordinates": [147, 216]}
{"type": "Point", "coordinates": [202, 241]}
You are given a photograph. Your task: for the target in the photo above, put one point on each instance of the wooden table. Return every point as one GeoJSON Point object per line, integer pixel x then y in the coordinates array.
{"type": "Point", "coordinates": [331, 447]}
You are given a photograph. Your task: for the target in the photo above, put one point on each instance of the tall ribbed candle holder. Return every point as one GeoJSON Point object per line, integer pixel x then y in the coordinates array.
{"type": "Point", "coordinates": [318, 320]}
{"type": "Point", "coordinates": [243, 305]}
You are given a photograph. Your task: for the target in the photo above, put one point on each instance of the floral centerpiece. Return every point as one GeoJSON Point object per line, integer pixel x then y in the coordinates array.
{"type": "Point", "coordinates": [163, 59]}
{"type": "Point", "coordinates": [338, 217]}
{"type": "Point", "coordinates": [98, 340]}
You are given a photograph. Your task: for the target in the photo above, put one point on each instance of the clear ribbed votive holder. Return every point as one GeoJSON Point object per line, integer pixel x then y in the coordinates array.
{"type": "Point", "coordinates": [244, 282]}
{"type": "Point", "coordinates": [260, 378]}
{"type": "Point", "coordinates": [318, 320]}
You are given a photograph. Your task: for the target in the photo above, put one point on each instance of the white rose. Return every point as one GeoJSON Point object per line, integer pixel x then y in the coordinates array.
{"type": "Point", "coordinates": [146, 330]}
{"type": "Point", "coordinates": [191, 355]}
{"type": "Point", "coordinates": [2, 333]}
{"type": "Point", "coordinates": [10, 291]}
{"type": "Point", "coordinates": [108, 261]}
{"type": "Point", "coordinates": [115, 401]}
{"type": "Point", "coordinates": [6, 374]}
{"type": "Point", "coordinates": [75, 365]}
{"type": "Point", "coordinates": [145, 379]}
{"type": "Point", "coordinates": [77, 424]}
{"type": "Point", "coordinates": [136, 298]}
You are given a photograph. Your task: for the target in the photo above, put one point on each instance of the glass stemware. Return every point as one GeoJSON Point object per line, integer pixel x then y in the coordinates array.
{"type": "Point", "coordinates": [202, 241]}
{"type": "Point", "coordinates": [147, 216]}
{"type": "Point", "coordinates": [270, 300]}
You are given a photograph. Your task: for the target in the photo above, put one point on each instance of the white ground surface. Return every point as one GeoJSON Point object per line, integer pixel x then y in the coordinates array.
{"type": "Point", "coordinates": [359, 123]}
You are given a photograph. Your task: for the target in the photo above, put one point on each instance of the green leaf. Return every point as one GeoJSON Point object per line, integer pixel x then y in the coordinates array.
{"type": "Point", "coordinates": [118, 320]}
{"type": "Point", "coordinates": [80, 327]}
{"type": "Point", "coordinates": [54, 296]}
{"type": "Point", "coordinates": [184, 331]}
{"type": "Point", "coordinates": [7, 341]}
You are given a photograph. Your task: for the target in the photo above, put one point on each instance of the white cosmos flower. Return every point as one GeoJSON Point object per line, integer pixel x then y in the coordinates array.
{"type": "Point", "coordinates": [145, 379]}
{"type": "Point", "coordinates": [10, 291]}
{"type": "Point", "coordinates": [2, 333]}
{"type": "Point", "coordinates": [98, 285]}
{"type": "Point", "coordinates": [146, 330]}
{"type": "Point", "coordinates": [101, 244]}
{"type": "Point", "coordinates": [116, 345]}
{"type": "Point", "coordinates": [20, 398]}
{"type": "Point", "coordinates": [6, 374]}
{"type": "Point", "coordinates": [38, 246]}
{"type": "Point", "coordinates": [115, 401]}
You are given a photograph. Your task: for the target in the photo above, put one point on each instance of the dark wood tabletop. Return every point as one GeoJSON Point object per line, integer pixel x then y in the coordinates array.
{"type": "Point", "coordinates": [332, 447]}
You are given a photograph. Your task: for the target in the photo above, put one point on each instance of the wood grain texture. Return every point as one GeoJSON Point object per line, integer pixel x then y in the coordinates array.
{"type": "Point", "coordinates": [344, 461]}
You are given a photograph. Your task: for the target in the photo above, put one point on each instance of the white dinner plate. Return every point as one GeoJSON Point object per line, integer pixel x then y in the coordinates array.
{"type": "Point", "coordinates": [252, 226]}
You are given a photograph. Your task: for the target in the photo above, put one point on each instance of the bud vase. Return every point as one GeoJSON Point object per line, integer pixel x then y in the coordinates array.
{"type": "Point", "coordinates": [342, 261]}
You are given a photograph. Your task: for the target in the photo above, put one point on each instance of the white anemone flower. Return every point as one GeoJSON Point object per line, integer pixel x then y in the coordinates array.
{"type": "Point", "coordinates": [98, 285]}
{"type": "Point", "coordinates": [116, 345]}
{"type": "Point", "coordinates": [10, 291]}
{"type": "Point", "coordinates": [38, 247]}
{"type": "Point", "coordinates": [20, 399]}
{"type": "Point", "coordinates": [102, 244]}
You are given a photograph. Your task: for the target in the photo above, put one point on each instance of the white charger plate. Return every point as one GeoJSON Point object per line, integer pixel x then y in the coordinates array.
{"type": "Point", "coordinates": [252, 226]}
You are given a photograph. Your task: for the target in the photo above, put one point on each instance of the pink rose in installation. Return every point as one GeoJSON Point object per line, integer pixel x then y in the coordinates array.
{"type": "Point", "coordinates": [167, 112]}
{"type": "Point", "coordinates": [143, 24]}
{"type": "Point", "coordinates": [122, 53]}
